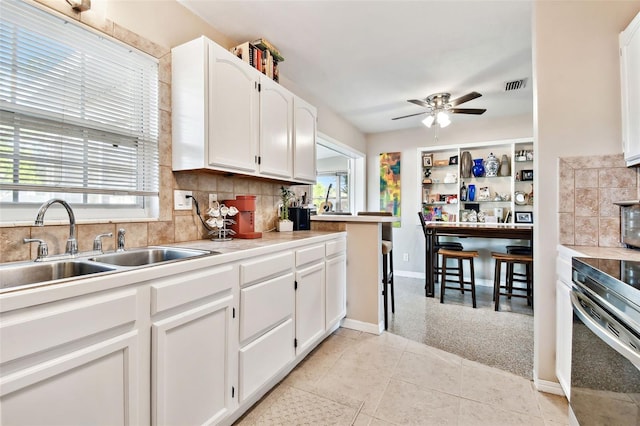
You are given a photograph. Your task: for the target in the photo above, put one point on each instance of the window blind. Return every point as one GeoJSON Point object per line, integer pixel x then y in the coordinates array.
{"type": "Point", "coordinates": [78, 111]}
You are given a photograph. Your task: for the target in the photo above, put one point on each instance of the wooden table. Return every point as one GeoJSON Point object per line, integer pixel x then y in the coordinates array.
{"type": "Point", "coordinates": [434, 230]}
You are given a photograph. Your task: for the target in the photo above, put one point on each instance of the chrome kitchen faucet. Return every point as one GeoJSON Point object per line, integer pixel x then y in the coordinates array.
{"type": "Point", "coordinates": [72, 243]}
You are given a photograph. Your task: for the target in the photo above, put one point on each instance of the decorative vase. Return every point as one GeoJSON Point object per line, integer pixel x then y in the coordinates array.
{"type": "Point", "coordinates": [491, 165]}
{"type": "Point", "coordinates": [505, 166]}
{"type": "Point", "coordinates": [465, 164]}
{"type": "Point", "coordinates": [471, 192]}
{"type": "Point", "coordinates": [478, 168]}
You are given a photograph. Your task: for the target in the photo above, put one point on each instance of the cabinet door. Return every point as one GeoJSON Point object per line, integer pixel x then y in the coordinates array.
{"type": "Point", "coordinates": [276, 123]}
{"type": "Point", "coordinates": [630, 82]}
{"type": "Point", "coordinates": [310, 306]}
{"type": "Point", "coordinates": [336, 288]}
{"type": "Point", "coordinates": [74, 361]}
{"type": "Point", "coordinates": [304, 141]}
{"type": "Point", "coordinates": [233, 114]}
{"type": "Point", "coordinates": [191, 365]}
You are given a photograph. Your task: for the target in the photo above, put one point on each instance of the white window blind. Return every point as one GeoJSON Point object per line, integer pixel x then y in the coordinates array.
{"type": "Point", "coordinates": [78, 111]}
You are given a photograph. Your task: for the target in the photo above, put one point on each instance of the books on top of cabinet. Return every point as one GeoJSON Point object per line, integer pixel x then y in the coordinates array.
{"type": "Point", "coordinates": [260, 55]}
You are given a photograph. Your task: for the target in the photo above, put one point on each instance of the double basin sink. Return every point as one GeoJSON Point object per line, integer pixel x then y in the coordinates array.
{"type": "Point", "coordinates": [19, 274]}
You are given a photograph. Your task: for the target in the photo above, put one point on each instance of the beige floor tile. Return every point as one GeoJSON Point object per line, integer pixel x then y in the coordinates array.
{"type": "Point", "coordinates": [295, 406]}
{"type": "Point", "coordinates": [407, 404]}
{"type": "Point", "coordinates": [260, 408]}
{"type": "Point", "coordinates": [553, 407]}
{"type": "Point", "coordinates": [478, 414]}
{"type": "Point", "coordinates": [369, 354]}
{"type": "Point", "coordinates": [362, 420]}
{"type": "Point", "coordinates": [430, 372]}
{"type": "Point", "coordinates": [350, 384]}
{"type": "Point", "coordinates": [498, 388]}
{"type": "Point", "coordinates": [422, 349]}
{"type": "Point", "coordinates": [387, 339]}
{"type": "Point", "coordinates": [347, 332]}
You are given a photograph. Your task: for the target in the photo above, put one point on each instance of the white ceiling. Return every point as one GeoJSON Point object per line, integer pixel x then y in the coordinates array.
{"type": "Point", "coordinates": [364, 59]}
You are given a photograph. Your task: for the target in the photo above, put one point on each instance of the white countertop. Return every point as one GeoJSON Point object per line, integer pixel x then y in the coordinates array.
{"type": "Point", "coordinates": [354, 218]}
{"type": "Point", "coordinates": [619, 253]}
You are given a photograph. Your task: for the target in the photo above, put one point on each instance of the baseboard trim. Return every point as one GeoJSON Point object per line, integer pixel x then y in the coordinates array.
{"type": "Point", "coordinates": [363, 326]}
{"type": "Point", "coordinates": [548, 387]}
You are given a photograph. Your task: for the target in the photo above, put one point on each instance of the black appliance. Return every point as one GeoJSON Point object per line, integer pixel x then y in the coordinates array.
{"type": "Point", "coordinates": [605, 353]}
{"type": "Point", "coordinates": [301, 218]}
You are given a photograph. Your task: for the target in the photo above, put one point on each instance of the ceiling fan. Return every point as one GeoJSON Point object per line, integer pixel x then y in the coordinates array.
{"type": "Point", "coordinates": [438, 105]}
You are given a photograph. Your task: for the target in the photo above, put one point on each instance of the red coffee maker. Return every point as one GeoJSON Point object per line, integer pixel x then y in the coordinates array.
{"type": "Point", "coordinates": [245, 219]}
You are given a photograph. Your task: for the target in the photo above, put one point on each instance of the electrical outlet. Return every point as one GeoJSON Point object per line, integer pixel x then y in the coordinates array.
{"type": "Point", "coordinates": [212, 199]}
{"type": "Point", "coordinates": [180, 200]}
{"type": "Point", "coordinates": [405, 257]}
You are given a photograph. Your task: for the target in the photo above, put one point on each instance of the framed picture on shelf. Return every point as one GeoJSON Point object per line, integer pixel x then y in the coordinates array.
{"type": "Point", "coordinates": [453, 160]}
{"type": "Point", "coordinates": [526, 175]}
{"type": "Point", "coordinates": [524, 217]}
{"type": "Point", "coordinates": [427, 160]}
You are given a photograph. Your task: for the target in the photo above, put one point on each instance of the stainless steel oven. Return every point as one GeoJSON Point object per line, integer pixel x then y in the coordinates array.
{"type": "Point", "coordinates": [605, 353]}
{"type": "Point", "coordinates": [630, 223]}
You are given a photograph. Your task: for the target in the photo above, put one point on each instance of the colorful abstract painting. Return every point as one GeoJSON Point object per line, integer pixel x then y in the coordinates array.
{"type": "Point", "coordinates": [390, 183]}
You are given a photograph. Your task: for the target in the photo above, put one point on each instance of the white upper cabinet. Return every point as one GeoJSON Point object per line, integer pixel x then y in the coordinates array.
{"type": "Point", "coordinates": [233, 115]}
{"type": "Point", "coordinates": [304, 140]}
{"type": "Point", "coordinates": [630, 81]}
{"type": "Point", "coordinates": [276, 123]}
{"type": "Point", "coordinates": [228, 116]}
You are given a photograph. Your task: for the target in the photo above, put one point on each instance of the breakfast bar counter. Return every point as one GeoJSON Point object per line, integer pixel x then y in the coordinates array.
{"type": "Point", "coordinates": [434, 230]}
{"type": "Point", "coordinates": [364, 267]}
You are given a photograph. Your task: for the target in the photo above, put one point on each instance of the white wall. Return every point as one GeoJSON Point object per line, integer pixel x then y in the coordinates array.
{"type": "Point", "coordinates": [577, 112]}
{"type": "Point", "coordinates": [409, 237]}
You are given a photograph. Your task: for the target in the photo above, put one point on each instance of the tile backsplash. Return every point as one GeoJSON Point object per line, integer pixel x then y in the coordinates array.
{"type": "Point", "coordinates": [588, 187]}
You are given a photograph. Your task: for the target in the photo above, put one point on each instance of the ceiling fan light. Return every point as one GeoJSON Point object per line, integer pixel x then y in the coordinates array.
{"type": "Point", "coordinates": [443, 119]}
{"type": "Point", "coordinates": [429, 120]}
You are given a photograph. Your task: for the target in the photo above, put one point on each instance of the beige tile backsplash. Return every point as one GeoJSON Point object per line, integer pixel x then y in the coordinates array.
{"type": "Point", "coordinates": [172, 226]}
{"type": "Point", "coordinates": [588, 188]}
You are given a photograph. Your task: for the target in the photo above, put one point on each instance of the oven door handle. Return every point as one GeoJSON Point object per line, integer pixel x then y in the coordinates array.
{"type": "Point", "coordinates": [600, 331]}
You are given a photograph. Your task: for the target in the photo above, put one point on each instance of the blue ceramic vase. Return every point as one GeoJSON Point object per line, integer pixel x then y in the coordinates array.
{"type": "Point", "coordinates": [478, 168]}
{"type": "Point", "coordinates": [471, 192]}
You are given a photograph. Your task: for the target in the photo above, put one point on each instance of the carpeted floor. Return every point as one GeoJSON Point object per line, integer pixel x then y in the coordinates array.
{"type": "Point", "coordinates": [502, 339]}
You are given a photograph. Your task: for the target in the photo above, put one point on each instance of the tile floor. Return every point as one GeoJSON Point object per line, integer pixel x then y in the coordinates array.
{"type": "Point", "coordinates": [356, 378]}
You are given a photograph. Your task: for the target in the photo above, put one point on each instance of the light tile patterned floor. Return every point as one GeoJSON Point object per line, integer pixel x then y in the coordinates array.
{"type": "Point", "coordinates": [356, 378]}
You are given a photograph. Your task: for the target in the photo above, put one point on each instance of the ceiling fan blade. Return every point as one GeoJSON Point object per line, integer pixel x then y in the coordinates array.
{"type": "Point", "coordinates": [476, 111]}
{"type": "Point", "coordinates": [419, 102]}
{"type": "Point", "coordinates": [465, 98]}
{"type": "Point", "coordinates": [410, 115]}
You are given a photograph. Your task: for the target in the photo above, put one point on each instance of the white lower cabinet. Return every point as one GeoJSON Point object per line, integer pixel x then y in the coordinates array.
{"type": "Point", "coordinates": [74, 361]}
{"type": "Point", "coordinates": [336, 281]}
{"type": "Point", "coordinates": [266, 321]}
{"type": "Point", "coordinates": [194, 367]}
{"type": "Point", "coordinates": [564, 318]}
{"type": "Point", "coordinates": [310, 301]}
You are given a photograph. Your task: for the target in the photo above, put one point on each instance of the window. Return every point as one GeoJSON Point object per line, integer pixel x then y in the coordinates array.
{"type": "Point", "coordinates": [78, 115]}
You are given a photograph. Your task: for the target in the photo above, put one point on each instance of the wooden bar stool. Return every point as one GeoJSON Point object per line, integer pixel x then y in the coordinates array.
{"type": "Point", "coordinates": [446, 245]}
{"type": "Point", "coordinates": [518, 276]}
{"type": "Point", "coordinates": [510, 260]}
{"type": "Point", "coordinates": [459, 256]}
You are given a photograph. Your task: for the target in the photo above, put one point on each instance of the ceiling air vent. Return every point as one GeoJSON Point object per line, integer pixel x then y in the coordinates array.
{"type": "Point", "coordinates": [515, 85]}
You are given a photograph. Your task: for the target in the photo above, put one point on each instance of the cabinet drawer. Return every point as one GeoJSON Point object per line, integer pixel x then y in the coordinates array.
{"type": "Point", "coordinates": [309, 254]}
{"type": "Point", "coordinates": [55, 324]}
{"type": "Point", "coordinates": [564, 270]}
{"type": "Point", "coordinates": [264, 304]}
{"type": "Point", "coordinates": [263, 358]}
{"type": "Point", "coordinates": [184, 288]}
{"type": "Point", "coordinates": [336, 247]}
{"type": "Point", "coordinates": [266, 267]}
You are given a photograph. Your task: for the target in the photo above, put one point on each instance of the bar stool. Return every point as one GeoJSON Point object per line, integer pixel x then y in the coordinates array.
{"type": "Point", "coordinates": [449, 245]}
{"type": "Point", "coordinates": [518, 276]}
{"type": "Point", "coordinates": [460, 256]}
{"type": "Point", "coordinates": [387, 264]}
{"type": "Point", "coordinates": [510, 260]}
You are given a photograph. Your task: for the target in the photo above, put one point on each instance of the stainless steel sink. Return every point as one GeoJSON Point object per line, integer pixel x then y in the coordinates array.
{"type": "Point", "coordinates": [148, 256]}
{"type": "Point", "coordinates": [14, 275]}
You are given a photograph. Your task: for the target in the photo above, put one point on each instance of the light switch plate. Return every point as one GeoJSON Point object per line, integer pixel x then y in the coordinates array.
{"type": "Point", "coordinates": [180, 200]}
